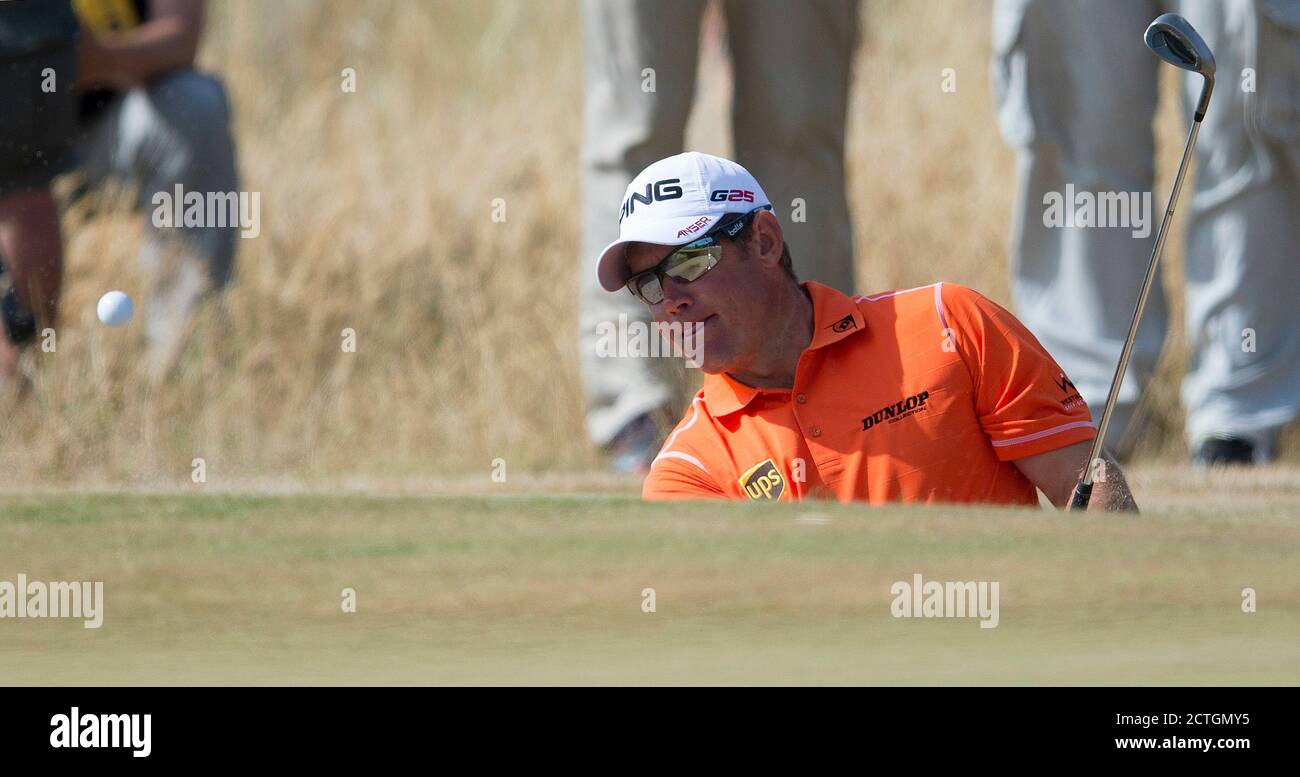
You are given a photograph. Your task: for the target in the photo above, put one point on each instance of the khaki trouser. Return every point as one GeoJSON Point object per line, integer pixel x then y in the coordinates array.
{"type": "Point", "coordinates": [791, 64]}
{"type": "Point", "coordinates": [1077, 92]}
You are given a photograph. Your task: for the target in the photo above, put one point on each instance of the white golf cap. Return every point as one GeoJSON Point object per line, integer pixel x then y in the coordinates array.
{"type": "Point", "coordinates": [674, 201]}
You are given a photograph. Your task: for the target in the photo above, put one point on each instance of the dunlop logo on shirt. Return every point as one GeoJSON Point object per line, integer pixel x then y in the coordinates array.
{"type": "Point", "coordinates": [763, 482]}
{"type": "Point", "coordinates": [897, 411]}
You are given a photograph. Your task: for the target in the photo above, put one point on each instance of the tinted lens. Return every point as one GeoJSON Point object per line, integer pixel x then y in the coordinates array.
{"type": "Point", "coordinates": [648, 288]}
{"type": "Point", "coordinates": [685, 264]}
{"type": "Point", "coordinates": [690, 263]}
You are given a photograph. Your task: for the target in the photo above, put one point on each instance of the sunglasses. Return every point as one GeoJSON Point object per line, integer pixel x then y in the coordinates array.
{"type": "Point", "coordinates": [691, 261]}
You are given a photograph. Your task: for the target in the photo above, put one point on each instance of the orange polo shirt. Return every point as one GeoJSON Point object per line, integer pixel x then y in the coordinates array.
{"type": "Point", "coordinates": [922, 395]}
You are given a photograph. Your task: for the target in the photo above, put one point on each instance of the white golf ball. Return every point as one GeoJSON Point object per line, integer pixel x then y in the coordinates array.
{"type": "Point", "coordinates": [115, 308]}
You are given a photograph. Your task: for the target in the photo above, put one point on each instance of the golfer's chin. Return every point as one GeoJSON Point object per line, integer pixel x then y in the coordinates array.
{"type": "Point", "coordinates": [716, 352]}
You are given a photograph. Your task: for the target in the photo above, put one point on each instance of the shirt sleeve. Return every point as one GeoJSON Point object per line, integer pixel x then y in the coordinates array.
{"type": "Point", "coordinates": [673, 478]}
{"type": "Point", "coordinates": [1025, 402]}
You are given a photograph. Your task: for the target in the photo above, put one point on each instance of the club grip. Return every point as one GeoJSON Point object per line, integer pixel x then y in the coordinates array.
{"type": "Point", "coordinates": [1082, 495]}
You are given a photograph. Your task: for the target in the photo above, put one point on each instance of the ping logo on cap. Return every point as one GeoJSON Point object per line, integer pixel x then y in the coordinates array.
{"type": "Point", "coordinates": [763, 482]}
{"type": "Point", "coordinates": [654, 192]}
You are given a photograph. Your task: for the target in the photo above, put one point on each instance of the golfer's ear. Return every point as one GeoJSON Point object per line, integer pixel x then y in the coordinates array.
{"type": "Point", "coordinates": [770, 239]}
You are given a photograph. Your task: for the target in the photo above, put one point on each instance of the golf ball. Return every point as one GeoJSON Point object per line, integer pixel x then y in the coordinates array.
{"type": "Point", "coordinates": [115, 308]}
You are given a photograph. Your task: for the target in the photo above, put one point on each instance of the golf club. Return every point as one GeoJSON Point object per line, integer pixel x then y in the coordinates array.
{"type": "Point", "coordinates": [1174, 40]}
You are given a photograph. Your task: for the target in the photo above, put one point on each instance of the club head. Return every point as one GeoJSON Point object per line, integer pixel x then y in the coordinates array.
{"type": "Point", "coordinates": [1177, 42]}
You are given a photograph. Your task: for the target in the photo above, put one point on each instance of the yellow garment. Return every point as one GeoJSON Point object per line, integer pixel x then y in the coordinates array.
{"type": "Point", "coordinates": [101, 16]}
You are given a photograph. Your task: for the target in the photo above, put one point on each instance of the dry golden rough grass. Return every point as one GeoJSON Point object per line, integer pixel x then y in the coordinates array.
{"type": "Point", "coordinates": [376, 216]}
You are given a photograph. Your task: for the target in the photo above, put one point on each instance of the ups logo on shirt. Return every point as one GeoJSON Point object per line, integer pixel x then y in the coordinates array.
{"type": "Point", "coordinates": [763, 482]}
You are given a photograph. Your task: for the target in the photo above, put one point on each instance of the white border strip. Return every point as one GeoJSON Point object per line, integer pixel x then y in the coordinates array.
{"type": "Point", "coordinates": [664, 453]}
{"type": "Point", "coordinates": [1042, 434]}
{"type": "Point", "coordinates": [893, 293]}
{"type": "Point", "coordinates": [938, 306]}
{"type": "Point", "coordinates": [682, 456]}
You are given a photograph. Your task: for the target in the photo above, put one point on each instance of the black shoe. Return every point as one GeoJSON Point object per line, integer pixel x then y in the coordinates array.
{"type": "Point", "coordinates": [1225, 452]}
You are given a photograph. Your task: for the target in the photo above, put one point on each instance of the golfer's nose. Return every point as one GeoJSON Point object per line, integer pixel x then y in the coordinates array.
{"type": "Point", "coordinates": [677, 300]}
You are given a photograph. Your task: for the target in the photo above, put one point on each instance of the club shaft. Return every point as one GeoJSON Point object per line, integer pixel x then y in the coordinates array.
{"type": "Point", "coordinates": [1127, 351]}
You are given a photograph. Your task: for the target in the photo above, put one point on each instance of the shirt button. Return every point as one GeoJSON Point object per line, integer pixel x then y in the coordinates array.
{"type": "Point", "coordinates": [800, 398]}
{"type": "Point", "coordinates": [816, 431]}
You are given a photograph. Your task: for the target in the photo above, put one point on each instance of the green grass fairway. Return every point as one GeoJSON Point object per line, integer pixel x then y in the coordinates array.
{"type": "Point", "coordinates": [533, 589]}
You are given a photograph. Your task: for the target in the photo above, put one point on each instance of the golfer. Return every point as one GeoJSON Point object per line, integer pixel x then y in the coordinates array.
{"type": "Point", "coordinates": [931, 394]}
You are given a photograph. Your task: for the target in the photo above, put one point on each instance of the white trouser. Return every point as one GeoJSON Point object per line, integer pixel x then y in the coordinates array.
{"type": "Point", "coordinates": [1077, 93]}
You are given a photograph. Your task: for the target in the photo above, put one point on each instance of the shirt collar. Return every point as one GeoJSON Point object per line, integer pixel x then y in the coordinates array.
{"type": "Point", "coordinates": [835, 317]}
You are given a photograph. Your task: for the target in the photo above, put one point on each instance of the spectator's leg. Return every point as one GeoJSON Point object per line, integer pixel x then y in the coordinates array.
{"type": "Point", "coordinates": [31, 250]}
{"type": "Point", "coordinates": [191, 114]}
{"type": "Point", "coordinates": [1076, 93]}
{"type": "Point", "coordinates": [792, 66]}
{"type": "Point", "coordinates": [631, 119]}
{"type": "Point", "coordinates": [1243, 244]}
{"type": "Point", "coordinates": [177, 132]}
